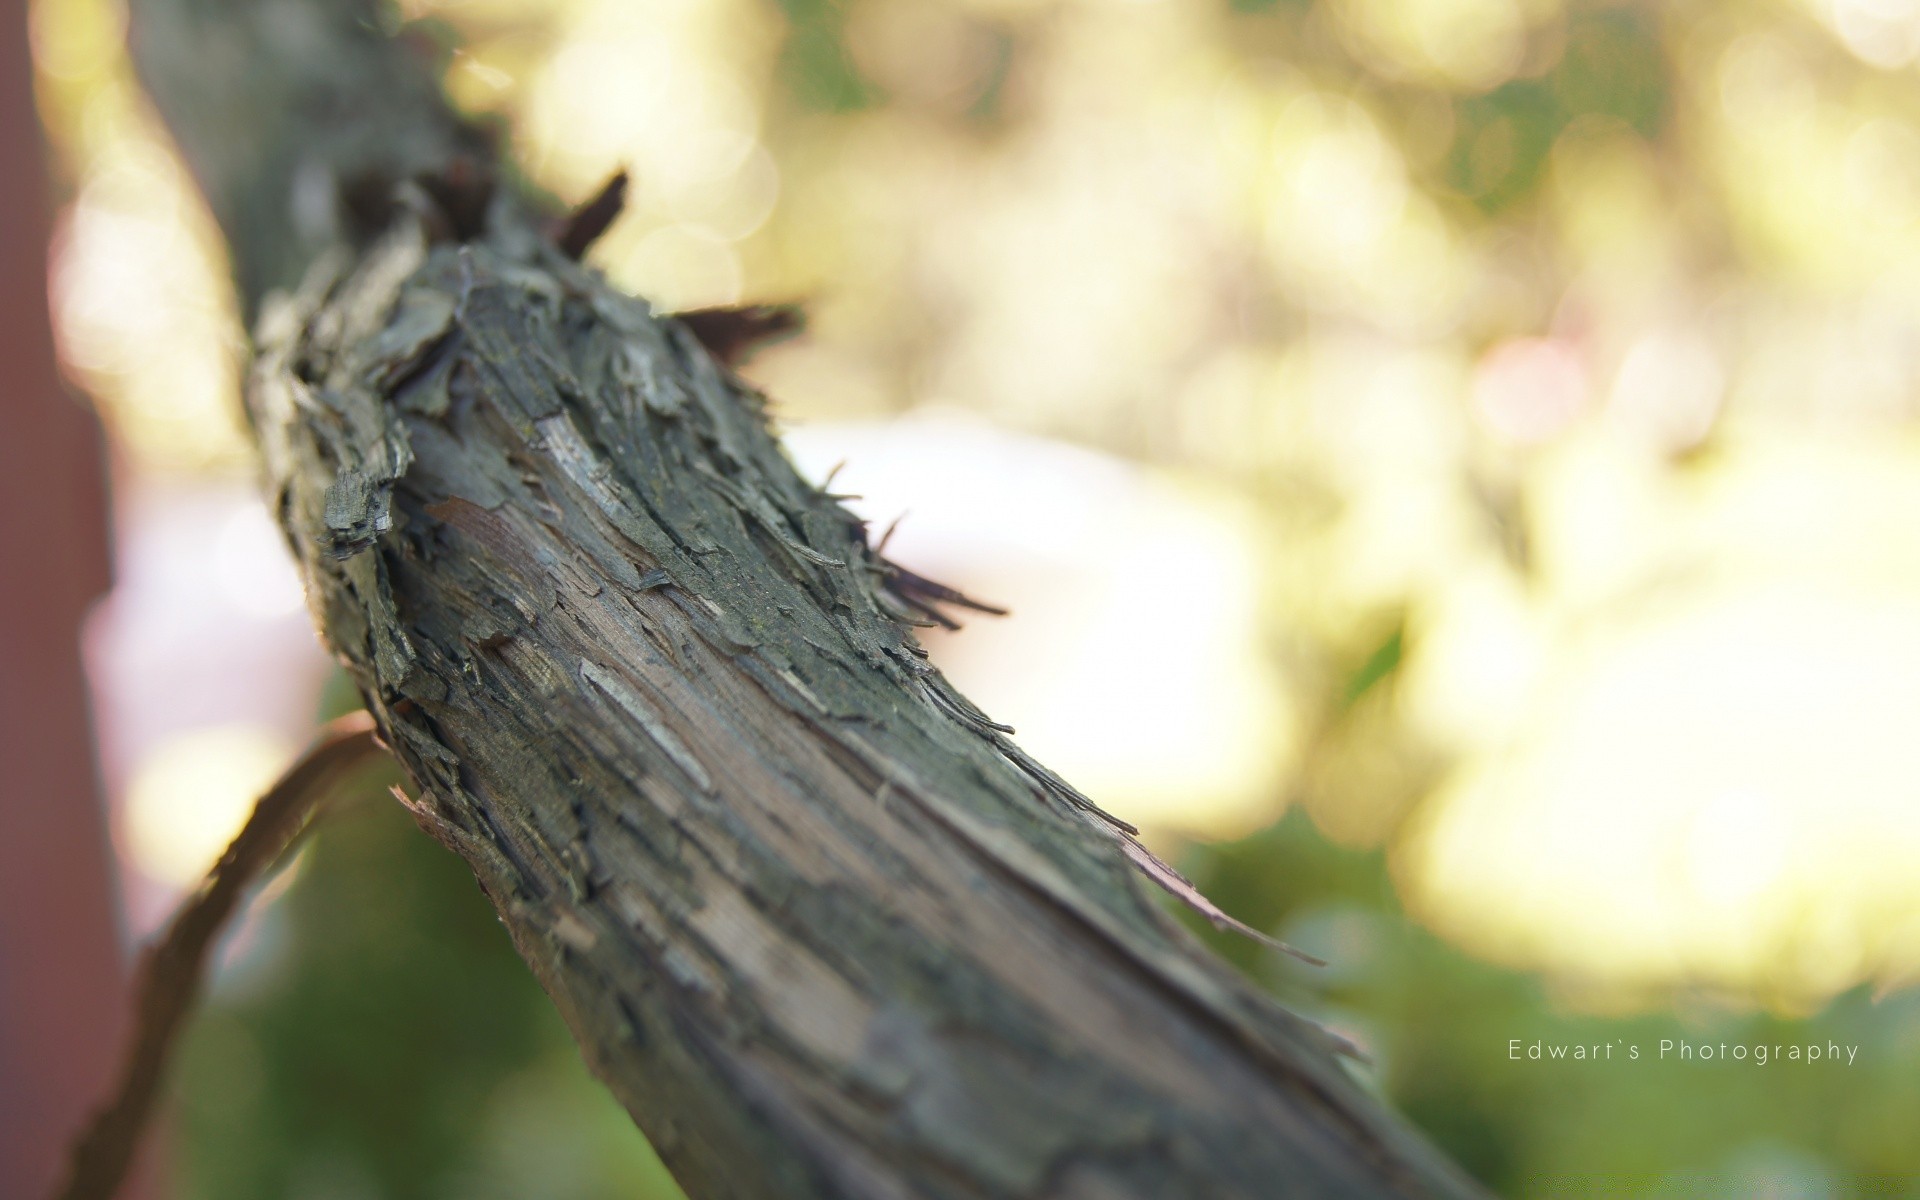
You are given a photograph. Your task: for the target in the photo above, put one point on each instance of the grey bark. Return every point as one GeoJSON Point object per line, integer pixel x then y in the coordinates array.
{"type": "Point", "coordinates": [819, 926]}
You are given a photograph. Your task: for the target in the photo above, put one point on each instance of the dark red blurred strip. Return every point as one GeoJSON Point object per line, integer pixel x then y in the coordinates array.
{"type": "Point", "coordinates": [62, 979]}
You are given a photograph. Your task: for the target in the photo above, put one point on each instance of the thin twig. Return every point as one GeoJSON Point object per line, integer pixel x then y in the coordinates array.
{"type": "Point", "coordinates": [731, 335]}
{"type": "Point", "coordinates": [584, 225]}
{"type": "Point", "coordinates": [171, 970]}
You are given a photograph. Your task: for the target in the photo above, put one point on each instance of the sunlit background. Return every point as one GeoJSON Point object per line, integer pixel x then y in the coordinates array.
{"type": "Point", "coordinates": [1455, 465]}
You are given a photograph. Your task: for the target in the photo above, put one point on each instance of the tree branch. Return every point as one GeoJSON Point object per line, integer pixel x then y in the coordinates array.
{"type": "Point", "coordinates": [172, 969]}
{"type": "Point", "coordinates": [817, 922]}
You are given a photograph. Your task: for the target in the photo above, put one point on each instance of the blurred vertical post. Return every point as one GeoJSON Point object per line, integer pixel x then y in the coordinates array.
{"type": "Point", "coordinates": [62, 1000]}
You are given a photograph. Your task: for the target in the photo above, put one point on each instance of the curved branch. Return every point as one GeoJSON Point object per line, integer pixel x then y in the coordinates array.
{"type": "Point", "coordinates": [172, 969]}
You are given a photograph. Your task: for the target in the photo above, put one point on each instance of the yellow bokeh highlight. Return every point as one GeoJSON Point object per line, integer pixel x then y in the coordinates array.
{"type": "Point", "coordinates": [190, 795]}
{"type": "Point", "coordinates": [1693, 754]}
{"type": "Point", "coordinates": [1467, 44]}
{"type": "Point", "coordinates": [1623, 460]}
{"type": "Point", "coordinates": [142, 309]}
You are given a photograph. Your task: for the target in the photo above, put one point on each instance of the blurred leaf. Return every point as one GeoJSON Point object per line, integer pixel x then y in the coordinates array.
{"type": "Point", "coordinates": [1615, 66]}
{"type": "Point", "coordinates": [814, 62]}
{"type": "Point", "coordinates": [1380, 664]}
{"type": "Point", "coordinates": [1501, 144]}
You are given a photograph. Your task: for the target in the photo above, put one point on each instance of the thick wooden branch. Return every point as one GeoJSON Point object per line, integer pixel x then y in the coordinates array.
{"type": "Point", "coordinates": [821, 927]}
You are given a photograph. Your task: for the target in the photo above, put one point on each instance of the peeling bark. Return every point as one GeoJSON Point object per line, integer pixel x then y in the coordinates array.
{"type": "Point", "coordinates": [819, 925]}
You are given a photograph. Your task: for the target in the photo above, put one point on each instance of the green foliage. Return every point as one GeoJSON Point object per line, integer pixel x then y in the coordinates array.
{"type": "Point", "coordinates": [1440, 1026]}
{"type": "Point", "coordinates": [814, 62]}
{"type": "Point", "coordinates": [1614, 66]}
{"type": "Point", "coordinates": [1613, 69]}
{"type": "Point", "coordinates": [1378, 667]}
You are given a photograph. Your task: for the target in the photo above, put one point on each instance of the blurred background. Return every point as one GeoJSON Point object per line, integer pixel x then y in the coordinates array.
{"type": "Point", "coordinates": [1455, 466]}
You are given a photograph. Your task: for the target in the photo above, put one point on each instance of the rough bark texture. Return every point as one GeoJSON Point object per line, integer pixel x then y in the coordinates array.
{"type": "Point", "coordinates": [821, 927]}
